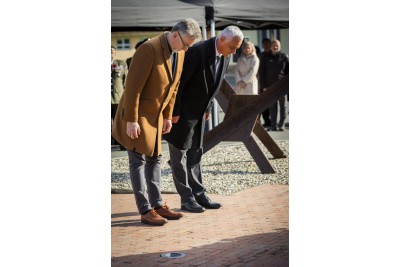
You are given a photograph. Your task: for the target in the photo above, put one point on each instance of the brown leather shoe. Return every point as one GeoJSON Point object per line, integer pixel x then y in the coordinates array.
{"type": "Point", "coordinates": [165, 212]}
{"type": "Point", "coordinates": [153, 218]}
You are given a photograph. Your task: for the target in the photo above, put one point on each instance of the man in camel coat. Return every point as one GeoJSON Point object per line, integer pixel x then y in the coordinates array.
{"type": "Point", "coordinates": [145, 113]}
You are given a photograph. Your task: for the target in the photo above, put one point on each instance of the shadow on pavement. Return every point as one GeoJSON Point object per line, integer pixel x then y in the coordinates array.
{"type": "Point", "coordinates": [267, 249]}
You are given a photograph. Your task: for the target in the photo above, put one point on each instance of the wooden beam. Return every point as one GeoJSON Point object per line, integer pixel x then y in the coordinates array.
{"type": "Point", "coordinates": [243, 116]}
{"type": "Point", "coordinates": [223, 98]}
{"type": "Point", "coordinates": [258, 156]}
{"type": "Point", "coordinates": [268, 142]}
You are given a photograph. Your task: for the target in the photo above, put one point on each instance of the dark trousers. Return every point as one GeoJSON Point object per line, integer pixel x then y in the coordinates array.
{"type": "Point", "coordinates": [265, 115]}
{"type": "Point", "coordinates": [114, 108]}
{"type": "Point", "coordinates": [145, 174]}
{"type": "Point", "coordinates": [273, 111]}
{"type": "Point", "coordinates": [187, 172]}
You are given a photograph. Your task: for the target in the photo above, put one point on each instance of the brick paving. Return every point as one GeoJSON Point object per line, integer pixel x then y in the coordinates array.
{"type": "Point", "coordinates": [251, 229]}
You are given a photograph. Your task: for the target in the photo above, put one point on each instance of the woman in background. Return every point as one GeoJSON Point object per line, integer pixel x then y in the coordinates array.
{"type": "Point", "coordinates": [246, 71]}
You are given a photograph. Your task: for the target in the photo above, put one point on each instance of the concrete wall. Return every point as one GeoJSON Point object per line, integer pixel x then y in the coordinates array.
{"type": "Point", "coordinates": [284, 40]}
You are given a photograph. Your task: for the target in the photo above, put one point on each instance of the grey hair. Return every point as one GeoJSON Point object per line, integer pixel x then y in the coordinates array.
{"type": "Point", "coordinates": [189, 27]}
{"type": "Point", "coordinates": [232, 31]}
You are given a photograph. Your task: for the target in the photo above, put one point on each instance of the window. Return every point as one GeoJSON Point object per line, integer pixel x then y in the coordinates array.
{"type": "Point", "coordinates": [123, 44]}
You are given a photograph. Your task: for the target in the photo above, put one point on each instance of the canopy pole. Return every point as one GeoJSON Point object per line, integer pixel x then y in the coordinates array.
{"type": "Point", "coordinates": [215, 109]}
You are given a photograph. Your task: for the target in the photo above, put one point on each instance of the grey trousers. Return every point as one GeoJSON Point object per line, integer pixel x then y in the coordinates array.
{"type": "Point", "coordinates": [145, 170]}
{"type": "Point", "coordinates": [273, 112]}
{"type": "Point", "coordinates": [187, 172]}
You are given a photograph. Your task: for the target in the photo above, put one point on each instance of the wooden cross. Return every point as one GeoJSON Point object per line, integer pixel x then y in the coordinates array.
{"type": "Point", "coordinates": [240, 122]}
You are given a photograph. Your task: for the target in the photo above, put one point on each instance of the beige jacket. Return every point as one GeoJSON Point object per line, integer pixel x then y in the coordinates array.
{"type": "Point", "coordinates": [246, 71]}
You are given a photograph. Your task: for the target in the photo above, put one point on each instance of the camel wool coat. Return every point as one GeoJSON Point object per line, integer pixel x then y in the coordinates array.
{"type": "Point", "coordinates": [149, 96]}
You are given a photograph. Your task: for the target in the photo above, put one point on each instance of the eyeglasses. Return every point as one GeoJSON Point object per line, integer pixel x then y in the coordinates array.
{"type": "Point", "coordinates": [185, 44]}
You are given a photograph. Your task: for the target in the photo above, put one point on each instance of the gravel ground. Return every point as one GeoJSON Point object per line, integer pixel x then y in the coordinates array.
{"type": "Point", "coordinates": [226, 169]}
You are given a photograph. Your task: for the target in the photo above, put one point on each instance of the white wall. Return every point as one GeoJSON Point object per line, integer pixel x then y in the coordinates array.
{"type": "Point", "coordinates": [284, 40]}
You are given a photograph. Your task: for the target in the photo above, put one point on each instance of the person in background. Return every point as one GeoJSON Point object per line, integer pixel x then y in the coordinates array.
{"type": "Point", "coordinates": [274, 67]}
{"type": "Point", "coordinates": [145, 113]}
{"type": "Point", "coordinates": [266, 44]}
{"type": "Point", "coordinates": [246, 71]}
{"type": "Point", "coordinates": [119, 71]}
{"type": "Point", "coordinates": [129, 59]}
{"type": "Point", "coordinates": [258, 51]}
{"type": "Point", "coordinates": [203, 72]}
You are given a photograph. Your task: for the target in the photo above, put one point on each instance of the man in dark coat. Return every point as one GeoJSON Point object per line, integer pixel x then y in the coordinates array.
{"type": "Point", "coordinates": [266, 43]}
{"type": "Point", "coordinates": [273, 67]}
{"type": "Point", "coordinates": [203, 71]}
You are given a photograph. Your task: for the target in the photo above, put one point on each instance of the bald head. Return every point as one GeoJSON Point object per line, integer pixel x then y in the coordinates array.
{"type": "Point", "coordinates": [275, 46]}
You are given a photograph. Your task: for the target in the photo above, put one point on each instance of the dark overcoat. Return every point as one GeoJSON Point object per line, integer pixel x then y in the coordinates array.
{"type": "Point", "coordinates": [196, 91]}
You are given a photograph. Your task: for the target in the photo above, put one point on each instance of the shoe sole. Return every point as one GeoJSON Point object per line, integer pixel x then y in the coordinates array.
{"type": "Point", "coordinates": [154, 223]}
{"type": "Point", "coordinates": [212, 208]}
{"type": "Point", "coordinates": [196, 211]}
{"type": "Point", "coordinates": [171, 218]}
{"type": "Point", "coordinates": [209, 207]}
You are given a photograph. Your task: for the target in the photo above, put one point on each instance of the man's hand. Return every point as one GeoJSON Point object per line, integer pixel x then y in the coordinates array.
{"type": "Point", "coordinates": [175, 119]}
{"type": "Point", "coordinates": [207, 116]}
{"type": "Point", "coordinates": [133, 129]}
{"type": "Point", "coordinates": [167, 125]}
{"type": "Point", "coordinates": [242, 84]}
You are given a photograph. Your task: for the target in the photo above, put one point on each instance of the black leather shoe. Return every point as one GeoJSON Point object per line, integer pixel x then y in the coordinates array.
{"type": "Point", "coordinates": [192, 206]}
{"type": "Point", "coordinates": [206, 202]}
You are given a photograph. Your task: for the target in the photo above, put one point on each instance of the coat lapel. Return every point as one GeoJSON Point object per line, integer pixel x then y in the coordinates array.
{"type": "Point", "coordinates": [222, 70]}
{"type": "Point", "coordinates": [167, 56]}
{"type": "Point", "coordinates": [176, 66]}
{"type": "Point", "coordinates": [211, 55]}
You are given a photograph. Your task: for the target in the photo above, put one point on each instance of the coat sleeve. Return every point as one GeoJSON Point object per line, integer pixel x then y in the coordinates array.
{"type": "Point", "coordinates": [125, 72]}
{"type": "Point", "coordinates": [252, 71]}
{"type": "Point", "coordinates": [141, 63]}
{"type": "Point", "coordinates": [167, 112]}
{"type": "Point", "coordinates": [261, 71]}
{"type": "Point", "coordinates": [286, 69]}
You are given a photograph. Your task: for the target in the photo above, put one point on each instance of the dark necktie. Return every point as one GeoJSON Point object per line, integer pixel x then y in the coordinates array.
{"type": "Point", "coordinates": [217, 68]}
{"type": "Point", "coordinates": [173, 61]}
